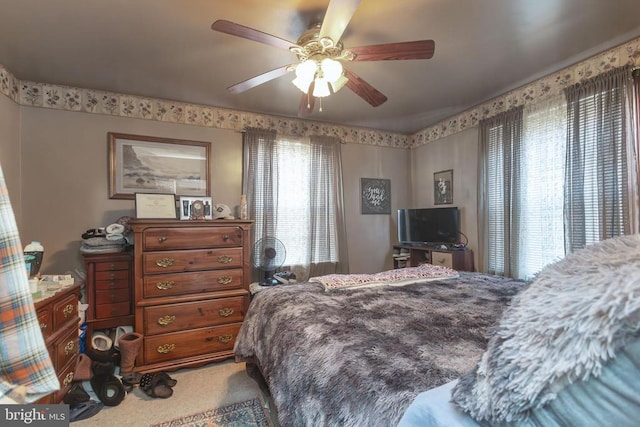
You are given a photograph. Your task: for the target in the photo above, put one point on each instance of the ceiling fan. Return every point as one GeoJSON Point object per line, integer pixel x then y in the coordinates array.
{"type": "Point", "coordinates": [319, 71]}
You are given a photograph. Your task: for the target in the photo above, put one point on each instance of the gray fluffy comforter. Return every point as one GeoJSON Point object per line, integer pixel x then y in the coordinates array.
{"type": "Point", "coordinates": [359, 357]}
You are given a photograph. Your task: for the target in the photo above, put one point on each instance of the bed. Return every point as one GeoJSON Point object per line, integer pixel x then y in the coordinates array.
{"type": "Point", "coordinates": [359, 356]}
{"type": "Point", "coordinates": [465, 351]}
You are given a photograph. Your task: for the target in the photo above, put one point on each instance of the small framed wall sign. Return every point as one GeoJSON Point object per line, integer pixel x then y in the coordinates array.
{"type": "Point", "coordinates": [155, 206]}
{"type": "Point", "coordinates": [196, 208]}
{"type": "Point", "coordinates": [443, 187]}
{"type": "Point", "coordinates": [376, 195]}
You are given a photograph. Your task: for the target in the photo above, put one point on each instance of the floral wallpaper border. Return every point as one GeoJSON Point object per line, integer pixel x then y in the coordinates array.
{"type": "Point", "coordinates": [100, 102]}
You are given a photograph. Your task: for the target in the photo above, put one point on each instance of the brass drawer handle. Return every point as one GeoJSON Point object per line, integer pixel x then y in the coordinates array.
{"type": "Point", "coordinates": [166, 320]}
{"type": "Point", "coordinates": [67, 310]}
{"type": "Point", "coordinates": [112, 267]}
{"type": "Point", "coordinates": [68, 349]}
{"type": "Point", "coordinates": [163, 286]}
{"type": "Point", "coordinates": [43, 326]}
{"type": "Point", "coordinates": [226, 237]}
{"type": "Point", "coordinates": [67, 380]}
{"type": "Point", "coordinates": [113, 297]}
{"type": "Point", "coordinates": [165, 262]}
{"type": "Point", "coordinates": [225, 280]}
{"type": "Point", "coordinates": [166, 348]}
{"type": "Point", "coordinates": [162, 239]}
{"type": "Point", "coordinates": [224, 259]}
{"type": "Point", "coordinates": [225, 312]}
{"type": "Point", "coordinates": [224, 339]}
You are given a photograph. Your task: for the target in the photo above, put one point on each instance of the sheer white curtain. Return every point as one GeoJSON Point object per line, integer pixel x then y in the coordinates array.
{"type": "Point", "coordinates": [294, 193]}
{"type": "Point", "coordinates": [541, 196]}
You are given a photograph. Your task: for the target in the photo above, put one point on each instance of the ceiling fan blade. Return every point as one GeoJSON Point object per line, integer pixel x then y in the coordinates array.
{"type": "Point", "coordinates": [307, 102]}
{"type": "Point", "coordinates": [337, 18]}
{"type": "Point", "coordinates": [421, 49]}
{"type": "Point", "coordinates": [238, 30]}
{"type": "Point", "coordinates": [258, 80]}
{"type": "Point", "coordinates": [364, 90]}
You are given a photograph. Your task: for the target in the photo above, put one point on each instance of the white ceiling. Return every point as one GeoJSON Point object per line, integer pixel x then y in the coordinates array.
{"type": "Point", "coordinates": [166, 49]}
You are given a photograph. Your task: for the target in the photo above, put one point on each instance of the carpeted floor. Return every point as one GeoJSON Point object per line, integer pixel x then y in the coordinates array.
{"type": "Point", "coordinates": [250, 413]}
{"type": "Point", "coordinates": [215, 385]}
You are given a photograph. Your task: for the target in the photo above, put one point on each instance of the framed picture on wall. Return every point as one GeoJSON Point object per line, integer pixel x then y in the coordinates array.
{"type": "Point", "coordinates": [375, 196]}
{"type": "Point", "coordinates": [443, 187]}
{"type": "Point", "coordinates": [147, 164]}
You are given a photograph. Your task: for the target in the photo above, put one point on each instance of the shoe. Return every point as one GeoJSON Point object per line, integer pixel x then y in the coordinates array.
{"type": "Point", "coordinates": [156, 385]}
{"type": "Point", "coordinates": [76, 395]}
{"type": "Point", "coordinates": [84, 410]}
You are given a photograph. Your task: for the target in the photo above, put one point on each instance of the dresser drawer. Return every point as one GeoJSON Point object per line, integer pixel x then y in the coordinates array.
{"type": "Point", "coordinates": [191, 283]}
{"type": "Point", "coordinates": [66, 349]}
{"type": "Point", "coordinates": [444, 259]}
{"type": "Point", "coordinates": [191, 260]}
{"type": "Point", "coordinates": [176, 345]}
{"type": "Point", "coordinates": [112, 296]}
{"type": "Point", "coordinates": [45, 319]}
{"type": "Point", "coordinates": [112, 266]}
{"type": "Point", "coordinates": [65, 310]}
{"type": "Point", "coordinates": [106, 285]}
{"type": "Point", "coordinates": [105, 311]}
{"type": "Point", "coordinates": [65, 376]}
{"type": "Point", "coordinates": [112, 275]}
{"type": "Point", "coordinates": [158, 239]}
{"type": "Point", "coordinates": [191, 315]}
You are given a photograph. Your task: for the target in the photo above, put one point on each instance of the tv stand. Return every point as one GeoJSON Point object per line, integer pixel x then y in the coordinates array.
{"type": "Point", "coordinates": [412, 255]}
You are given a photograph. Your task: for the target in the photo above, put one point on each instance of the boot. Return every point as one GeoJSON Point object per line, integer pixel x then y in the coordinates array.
{"type": "Point", "coordinates": [129, 344]}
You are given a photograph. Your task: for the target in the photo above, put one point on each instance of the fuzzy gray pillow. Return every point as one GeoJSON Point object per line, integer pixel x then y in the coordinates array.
{"type": "Point", "coordinates": [571, 320]}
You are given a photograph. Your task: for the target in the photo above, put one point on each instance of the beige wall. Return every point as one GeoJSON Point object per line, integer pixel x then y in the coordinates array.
{"type": "Point", "coordinates": [460, 153]}
{"type": "Point", "coordinates": [10, 150]}
{"type": "Point", "coordinates": [370, 236]}
{"type": "Point", "coordinates": [65, 179]}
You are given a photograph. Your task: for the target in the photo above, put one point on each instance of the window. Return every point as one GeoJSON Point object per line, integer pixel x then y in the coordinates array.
{"type": "Point", "coordinates": [561, 182]}
{"type": "Point", "coordinates": [294, 191]}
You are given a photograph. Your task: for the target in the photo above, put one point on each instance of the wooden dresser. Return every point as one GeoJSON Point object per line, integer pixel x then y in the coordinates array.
{"type": "Point", "coordinates": [58, 316]}
{"type": "Point", "coordinates": [109, 290]}
{"type": "Point", "coordinates": [191, 287]}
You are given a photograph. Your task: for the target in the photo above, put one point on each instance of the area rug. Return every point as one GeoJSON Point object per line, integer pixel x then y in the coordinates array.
{"type": "Point", "coordinates": [250, 413]}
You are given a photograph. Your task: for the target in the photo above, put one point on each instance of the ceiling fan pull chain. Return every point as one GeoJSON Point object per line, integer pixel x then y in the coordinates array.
{"type": "Point", "coordinates": [320, 99]}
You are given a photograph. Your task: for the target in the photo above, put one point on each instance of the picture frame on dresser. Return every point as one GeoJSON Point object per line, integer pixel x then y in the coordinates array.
{"type": "Point", "coordinates": [149, 164]}
{"type": "Point", "coordinates": [195, 208]}
{"type": "Point", "coordinates": [155, 206]}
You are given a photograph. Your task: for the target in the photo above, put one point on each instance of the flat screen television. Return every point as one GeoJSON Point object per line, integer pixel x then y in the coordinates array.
{"type": "Point", "coordinates": [429, 225]}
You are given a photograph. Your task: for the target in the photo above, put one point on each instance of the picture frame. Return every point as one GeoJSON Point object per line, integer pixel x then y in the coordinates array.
{"type": "Point", "coordinates": [375, 196]}
{"type": "Point", "coordinates": [155, 206]}
{"type": "Point", "coordinates": [443, 187]}
{"type": "Point", "coordinates": [148, 164]}
{"type": "Point", "coordinates": [189, 210]}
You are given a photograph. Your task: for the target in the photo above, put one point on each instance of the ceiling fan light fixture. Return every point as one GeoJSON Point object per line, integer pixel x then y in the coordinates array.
{"type": "Point", "coordinates": [331, 69]}
{"type": "Point", "coordinates": [321, 88]}
{"type": "Point", "coordinates": [302, 84]}
{"type": "Point", "coordinates": [306, 70]}
{"type": "Point", "coordinates": [339, 83]}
